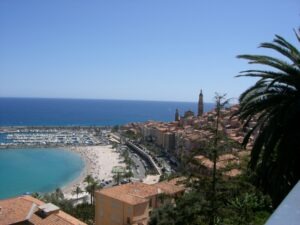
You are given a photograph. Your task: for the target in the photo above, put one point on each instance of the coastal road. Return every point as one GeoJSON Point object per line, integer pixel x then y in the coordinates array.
{"type": "Point", "coordinates": [139, 169]}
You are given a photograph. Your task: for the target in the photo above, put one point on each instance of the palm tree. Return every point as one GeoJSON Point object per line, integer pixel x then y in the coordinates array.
{"type": "Point", "coordinates": [77, 191]}
{"type": "Point", "coordinates": [89, 179]}
{"type": "Point", "coordinates": [91, 188]}
{"type": "Point", "coordinates": [274, 102]}
{"type": "Point", "coordinates": [59, 194]}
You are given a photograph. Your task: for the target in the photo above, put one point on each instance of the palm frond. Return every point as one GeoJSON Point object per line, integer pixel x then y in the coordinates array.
{"type": "Point", "coordinates": [272, 62]}
{"type": "Point", "coordinates": [274, 102]}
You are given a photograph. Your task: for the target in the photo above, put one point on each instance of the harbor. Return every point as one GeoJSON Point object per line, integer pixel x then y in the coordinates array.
{"type": "Point", "coordinates": [52, 136]}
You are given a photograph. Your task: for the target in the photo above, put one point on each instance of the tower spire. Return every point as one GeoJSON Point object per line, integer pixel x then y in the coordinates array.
{"type": "Point", "coordinates": [176, 115]}
{"type": "Point", "coordinates": [200, 104]}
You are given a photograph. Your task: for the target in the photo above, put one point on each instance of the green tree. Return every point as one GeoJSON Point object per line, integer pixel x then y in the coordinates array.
{"type": "Point", "coordinates": [117, 177]}
{"type": "Point", "coordinates": [85, 212]}
{"type": "Point", "coordinates": [89, 179]}
{"type": "Point", "coordinates": [274, 102]}
{"type": "Point", "coordinates": [77, 191]}
{"type": "Point", "coordinates": [37, 195]}
{"type": "Point", "coordinates": [90, 188]}
{"type": "Point", "coordinates": [192, 209]}
{"type": "Point", "coordinates": [220, 103]}
{"type": "Point", "coordinates": [59, 194]}
{"type": "Point", "coordinates": [245, 205]}
{"type": "Point", "coordinates": [239, 203]}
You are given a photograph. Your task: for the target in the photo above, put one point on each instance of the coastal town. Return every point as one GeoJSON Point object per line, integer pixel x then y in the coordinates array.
{"type": "Point", "coordinates": [149, 112]}
{"type": "Point", "coordinates": [158, 146]}
{"type": "Point", "coordinates": [136, 156]}
{"type": "Point", "coordinates": [133, 170]}
{"type": "Point", "coordinates": [135, 166]}
{"type": "Point", "coordinates": [190, 134]}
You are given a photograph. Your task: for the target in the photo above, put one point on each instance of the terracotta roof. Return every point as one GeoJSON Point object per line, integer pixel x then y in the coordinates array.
{"type": "Point", "coordinates": [137, 193]}
{"type": "Point", "coordinates": [162, 129]}
{"type": "Point", "coordinates": [131, 193]}
{"type": "Point", "coordinates": [204, 161]}
{"type": "Point", "coordinates": [233, 173]}
{"type": "Point", "coordinates": [168, 188]}
{"type": "Point", "coordinates": [227, 157]}
{"type": "Point", "coordinates": [25, 208]}
{"type": "Point", "coordinates": [243, 153]}
{"type": "Point", "coordinates": [222, 162]}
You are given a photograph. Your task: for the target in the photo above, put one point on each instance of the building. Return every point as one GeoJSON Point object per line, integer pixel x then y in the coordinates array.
{"type": "Point", "coordinates": [188, 113]}
{"type": "Point", "coordinates": [200, 104]}
{"type": "Point", "coordinates": [132, 203]}
{"type": "Point", "coordinates": [169, 141]}
{"type": "Point", "coordinates": [177, 115]}
{"type": "Point", "coordinates": [27, 210]}
{"type": "Point", "coordinates": [190, 133]}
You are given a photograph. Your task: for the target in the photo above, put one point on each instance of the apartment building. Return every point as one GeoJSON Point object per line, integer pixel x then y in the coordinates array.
{"type": "Point", "coordinates": [132, 203]}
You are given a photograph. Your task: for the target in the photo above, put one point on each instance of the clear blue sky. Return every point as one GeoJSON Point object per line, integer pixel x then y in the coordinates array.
{"type": "Point", "coordinates": [135, 49]}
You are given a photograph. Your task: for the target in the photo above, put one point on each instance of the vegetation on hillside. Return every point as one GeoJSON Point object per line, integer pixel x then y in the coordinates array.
{"type": "Point", "coordinates": [212, 198]}
{"type": "Point", "coordinates": [237, 203]}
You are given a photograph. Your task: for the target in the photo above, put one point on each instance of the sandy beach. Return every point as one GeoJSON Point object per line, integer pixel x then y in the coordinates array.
{"type": "Point", "coordinates": [99, 161]}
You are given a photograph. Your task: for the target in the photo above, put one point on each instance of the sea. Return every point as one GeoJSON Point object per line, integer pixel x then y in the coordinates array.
{"type": "Point", "coordinates": [88, 112]}
{"type": "Point", "coordinates": [43, 170]}
{"type": "Point", "coordinates": [36, 170]}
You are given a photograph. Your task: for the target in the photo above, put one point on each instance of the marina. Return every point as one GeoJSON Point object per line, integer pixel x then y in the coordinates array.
{"type": "Point", "coordinates": [52, 137]}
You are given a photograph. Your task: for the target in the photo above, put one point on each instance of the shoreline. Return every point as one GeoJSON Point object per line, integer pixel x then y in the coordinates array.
{"type": "Point", "coordinates": [98, 162]}
{"type": "Point", "coordinates": [67, 188]}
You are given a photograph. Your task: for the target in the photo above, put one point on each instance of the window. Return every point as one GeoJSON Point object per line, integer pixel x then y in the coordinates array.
{"type": "Point", "coordinates": [115, 219]}
{"type": "Point", "coordinates": [129, 210]}
{"type": "Point", "coordinates": [128, 220]}
{"type": "Point", "coordinates": [115, 204]}
{"type": "Point", "coordinates": [150, 203]}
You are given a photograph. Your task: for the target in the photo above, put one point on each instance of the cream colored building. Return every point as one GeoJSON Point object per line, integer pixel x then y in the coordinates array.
{"type": "Point", "coordinates": [132, 203]}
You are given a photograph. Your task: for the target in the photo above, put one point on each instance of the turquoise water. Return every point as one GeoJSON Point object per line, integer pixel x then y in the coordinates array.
{"type": "Point", "coordinates": [36, 170]}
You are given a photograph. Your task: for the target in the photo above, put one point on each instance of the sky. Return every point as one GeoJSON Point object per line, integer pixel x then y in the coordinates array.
{"type": "Point", "coordinates": [135, 49]}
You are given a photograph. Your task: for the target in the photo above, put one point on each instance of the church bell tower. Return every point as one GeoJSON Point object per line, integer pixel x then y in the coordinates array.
{"type": "Point", "coordinates": [200, 104]}
{"type": "Point", "coordinates": [177, 115]}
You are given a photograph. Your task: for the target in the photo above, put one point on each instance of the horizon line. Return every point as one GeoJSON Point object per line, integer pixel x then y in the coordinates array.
{"type": "Point", "coordinates": [105, 99]}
